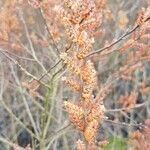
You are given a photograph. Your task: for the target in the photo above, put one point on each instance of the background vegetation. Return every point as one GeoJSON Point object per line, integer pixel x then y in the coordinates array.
{"type": "Point", "coordinates": [44, 47]}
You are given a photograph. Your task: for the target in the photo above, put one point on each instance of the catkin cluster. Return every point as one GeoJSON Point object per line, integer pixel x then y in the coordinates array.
{"type": "Point", "coordinates": [79, 20]}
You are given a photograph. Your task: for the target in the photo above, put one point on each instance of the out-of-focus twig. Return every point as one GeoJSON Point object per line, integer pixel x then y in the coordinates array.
{"type": "Point", "coordinates": [10, 143]}
{"type": "Point", "coordinates": [16, 118]}
{"type": "Point", "coordinates": [57, 134]}
{"type": "Point", "coordinates": [23, 69]}
{"type": "Point", "coordinates": [30, 41]}
{"type": "Point", "coordinates": [25, 102]}
{"type": "Point", "coordinates": [20, 57]}
{"type": "Point", "coordinates": [49, 32]}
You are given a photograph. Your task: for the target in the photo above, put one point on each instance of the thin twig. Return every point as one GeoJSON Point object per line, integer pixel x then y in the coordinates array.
{"type": "Point", "coordinates": [117, 41]}
{"type": "Point", "coordinates": [126, 124]}
{"type": "Point", "coordinates": [16, 118]}
{"type": "Point", "coordinates": [24, 70]}
{"type": "Point", "coordinates": [57, 63]}
{"type": "Point", "coordinates": [25, 103]}
{"type": "Point", "coordinates": [50, 69]}
{"type": "Point", "coordinates": [8, 142]}
{"type": "Point", "coordinates": [58, 133]}
{"type": "Point", "coordinates": [123, 109]}
{"type": "Point", "coordinates": [52, 99]}
{"type": "Point", "coordinates": [49, 33]}
{"type": "Point", "coordinates": [20, 57]}
{"type": "Point", "coordinates": [30, 41]}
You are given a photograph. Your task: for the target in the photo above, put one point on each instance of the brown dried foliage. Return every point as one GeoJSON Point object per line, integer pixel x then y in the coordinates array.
{"type": "Point", "coordinates": [140, 139]}
{"type": "Point", "coordinates": [81, 20]}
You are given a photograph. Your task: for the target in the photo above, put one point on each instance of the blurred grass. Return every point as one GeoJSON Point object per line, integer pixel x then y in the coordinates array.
{"type": "Point", "coordinates": [116, 143]}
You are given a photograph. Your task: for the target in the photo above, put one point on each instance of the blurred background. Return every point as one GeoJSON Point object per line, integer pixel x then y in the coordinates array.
{"type": "Point", "coordinates": [31, 89]}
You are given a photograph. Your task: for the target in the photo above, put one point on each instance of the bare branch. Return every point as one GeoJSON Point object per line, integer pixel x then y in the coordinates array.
{"type": "Point", "coordinates": [117, 41]}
